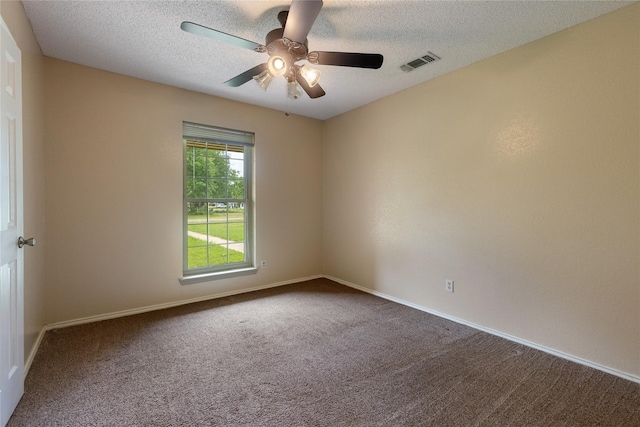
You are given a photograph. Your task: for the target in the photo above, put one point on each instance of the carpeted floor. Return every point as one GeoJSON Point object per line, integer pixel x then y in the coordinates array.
{"type": "Point", "coordinates": [311, 354]}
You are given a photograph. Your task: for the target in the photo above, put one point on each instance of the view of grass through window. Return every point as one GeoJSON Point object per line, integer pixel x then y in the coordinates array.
{"type": "Point", "coordinates": [215, 196]}
{"type": "Point", "coordinates": [215, 235]}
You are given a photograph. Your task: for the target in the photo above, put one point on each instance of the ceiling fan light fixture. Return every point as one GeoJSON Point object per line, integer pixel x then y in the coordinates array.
{"type": "Point", "coordinates": [286, 46]}
{"type": "Point", "coordinates": [311, 75]}
{"type": "Point", "coordinates": [264, 79]}
{"type": "Point", "coordinates": [277, 65]}
{"type": "Point", "coordinates": [293, 90]}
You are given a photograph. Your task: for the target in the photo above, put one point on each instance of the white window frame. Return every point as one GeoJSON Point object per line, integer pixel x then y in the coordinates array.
{"type": "Point", "coordinates": [218, 135]}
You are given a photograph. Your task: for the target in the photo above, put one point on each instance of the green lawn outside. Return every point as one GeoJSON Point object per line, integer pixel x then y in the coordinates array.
{"type": "Point", "coordinates": [197, 254]}
{"type": "Point", "coordinates": [236, 230]}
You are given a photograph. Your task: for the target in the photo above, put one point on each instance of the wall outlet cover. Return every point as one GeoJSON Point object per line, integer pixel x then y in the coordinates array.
{"type": "Point", "coordinates": [449, 285]}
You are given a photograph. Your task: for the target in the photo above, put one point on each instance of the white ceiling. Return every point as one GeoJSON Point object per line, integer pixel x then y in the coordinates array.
{"type": "Point", "coordinates": [143, 39]}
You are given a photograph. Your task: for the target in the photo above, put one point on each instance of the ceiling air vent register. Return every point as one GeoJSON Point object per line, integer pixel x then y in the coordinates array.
{"type": "Point", "coordinates": [419, 62]}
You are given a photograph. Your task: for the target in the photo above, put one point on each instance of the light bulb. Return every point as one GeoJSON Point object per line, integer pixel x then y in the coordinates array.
{"type": "Point", "coordinates": [293, 90]}
{"type": "Point", "coordinates": [311, 75]}
{"type": "Point", "coordinates": [263, 79]}
{"type": "Point", "coordinates": [277, 66]}
{"type": "Point", "coordinates": [278, 63]}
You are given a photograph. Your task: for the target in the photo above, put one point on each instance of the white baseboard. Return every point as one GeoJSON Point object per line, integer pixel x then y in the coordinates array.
{"type": "Point", "coordinates": [148, 308]}
{"type": "Point", "coordinates": [155, 307]}
{"type": "Point", "coordinates": [131, 312]}
{"type": "Point", "coordinates": [549, 350]}
{"type": "Point", "coordinates": [34, 350]}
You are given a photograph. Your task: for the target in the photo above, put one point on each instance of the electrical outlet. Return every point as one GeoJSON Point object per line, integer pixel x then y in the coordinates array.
{"type": "Point", "coordinates": [449, 286]}
{"type": "Point", "coordinates": [263, 264]}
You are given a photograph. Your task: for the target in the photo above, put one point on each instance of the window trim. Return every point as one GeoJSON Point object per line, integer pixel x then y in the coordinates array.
{"type": "Point", "coordinates": [203, 133]}
{"type": "Point", "coordinates": [208, 277]}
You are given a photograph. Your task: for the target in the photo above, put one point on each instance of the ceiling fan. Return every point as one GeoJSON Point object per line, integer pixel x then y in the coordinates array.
{"type": "Point", "coordinates": [286, 46]}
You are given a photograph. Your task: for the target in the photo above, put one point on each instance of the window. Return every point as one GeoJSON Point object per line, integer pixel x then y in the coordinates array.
{"type": "Point", "coordinates": [218, 212]}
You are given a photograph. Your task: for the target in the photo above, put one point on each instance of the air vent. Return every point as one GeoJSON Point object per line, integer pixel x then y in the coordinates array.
{"type": "Point", "coordinates": [419, 62]}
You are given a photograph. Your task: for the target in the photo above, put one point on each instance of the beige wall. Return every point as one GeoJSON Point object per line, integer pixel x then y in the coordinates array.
{"type": "Point", "coordinates": [114, 191]}
{"type": "Point", "coordinates": [33, 152]}
{"type": "Point", "coordinates": [517, 177]}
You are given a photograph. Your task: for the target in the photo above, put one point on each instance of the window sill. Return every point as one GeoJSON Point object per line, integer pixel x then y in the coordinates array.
{"type": "Point", "coordinates": [207, 277]}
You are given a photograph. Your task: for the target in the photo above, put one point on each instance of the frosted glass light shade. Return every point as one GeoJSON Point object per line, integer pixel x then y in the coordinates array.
{"type": "Point", "coordinates": [294, 90]}
{"type": "Point", "coordinates": [311, 75]}
{"type": "Point", "coordinates": [263, 79]}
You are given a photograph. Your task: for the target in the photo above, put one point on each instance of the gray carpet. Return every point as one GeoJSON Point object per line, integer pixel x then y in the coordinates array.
{"type": "Point", "coordinates": [310, 354]}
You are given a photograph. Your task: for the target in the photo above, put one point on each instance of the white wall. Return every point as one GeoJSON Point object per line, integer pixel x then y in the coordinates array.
{"type": "Point", "coordinates": [517, 177]}
{"type": "Point", "coordinates": [33, 155]}
{"type": "Point", "coordinates": [114, 167]}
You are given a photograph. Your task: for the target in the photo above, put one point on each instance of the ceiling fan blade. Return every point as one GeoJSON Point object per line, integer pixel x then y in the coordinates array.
{"type": "Point", "coordinates": [302, 15]}
{"type": "Point", "coordinates": [201, 30]}
{"type": "Point", "coordinates": [313, 92]}
{"type": "Point", "coordinates": [241, 79]}
{"type": "Point", "coordinates": [346, 59]}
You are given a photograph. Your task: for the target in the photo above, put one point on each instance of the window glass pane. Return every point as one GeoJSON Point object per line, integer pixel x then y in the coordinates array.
{"type": "Point", "coordinates": [196, 162]}
{"type": "Point", "coordinates": [218, 254]}
{"type": "Point", "coordinates": [189, 161]}
{"type": "Point", "coordinates": [223, 254]}
{"type": "Point", "coordinates": [197, 230]}
{"type": "Point", "coordinates": [218, 210]}
{"type": "Point", "coordinates": [237, 250]}
{"type": "Point", "coordinates": [217, 188]}
{"type": "Point", "coordinates": [217, 232]}
{"type": "Point", "coordinates": [217, 164]}
{"type": "Point", "coordinates": [197, 212]}
{"type": "Point", "coordinates": [236, 224]}
{"type": "Point", "coordinates": [236, 189]}
{"type": "Point", "coordinates": [236, 154]}
{"type": "Point", "coordinates": [236, 232]}
{"type": "Point", "coordinates": [217, 224]}
{"type": "Point", "coordinates": [196, 188]}
{"type": "Point", "coordinates": [197, 256]}
{"type": "Point", "coordinates": [236, 168]}
{"type": "Point", "coordinates": [196, 239]}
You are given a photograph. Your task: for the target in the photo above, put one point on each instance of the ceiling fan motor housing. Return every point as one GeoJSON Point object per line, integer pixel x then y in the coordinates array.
{"type": "Point", "coordinates": [288, 50]}
{"type": "Point", "coordinates": [284, 52]}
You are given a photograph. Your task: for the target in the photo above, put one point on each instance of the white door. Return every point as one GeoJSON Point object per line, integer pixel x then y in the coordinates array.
{"type": "Point", "coordinates": [11, 258]}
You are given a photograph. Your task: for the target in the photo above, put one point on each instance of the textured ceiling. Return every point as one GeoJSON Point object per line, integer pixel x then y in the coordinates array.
{"type": "Point", "coordinates": [143, 39]}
